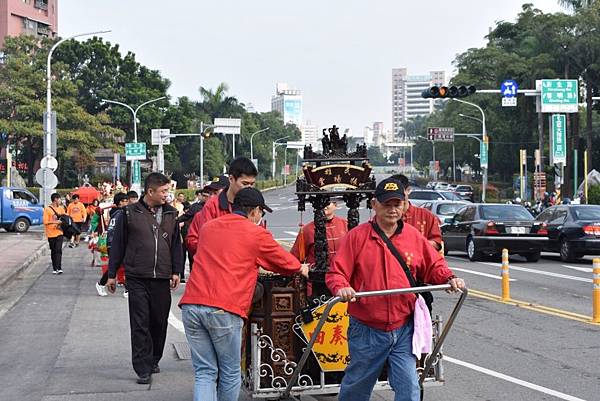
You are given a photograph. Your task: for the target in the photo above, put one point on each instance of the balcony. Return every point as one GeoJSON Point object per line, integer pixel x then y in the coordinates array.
{"type": "Point", "coordinates": [41, 4]}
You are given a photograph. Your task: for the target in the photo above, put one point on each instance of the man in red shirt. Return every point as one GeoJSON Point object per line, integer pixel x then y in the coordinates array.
{"type": "Point", "coordinates": [381, 328]}
{"type": "Point", "coordinates": [335, 228]}
{"type": "Point", "coordinates": [220, 288]}
{"type": "Point", "coordinates": [422, 219]}
{"type": "Point", "coordinates": [242, 174]}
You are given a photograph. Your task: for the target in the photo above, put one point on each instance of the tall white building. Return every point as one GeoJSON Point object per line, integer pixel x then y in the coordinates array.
{"type": "Point", "coordinates": [406, 95]}
{"type": "Point", "coordinates": [310, 134]}
{"type": "Point", "coordinates": [288, 102]}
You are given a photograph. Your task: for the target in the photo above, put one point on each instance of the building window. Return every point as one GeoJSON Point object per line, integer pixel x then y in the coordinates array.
{"type": "Point", "coordinates": [41, 4]}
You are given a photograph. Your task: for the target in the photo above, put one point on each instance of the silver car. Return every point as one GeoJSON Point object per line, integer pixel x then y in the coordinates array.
{"type": "Point", "coordinates": [443, 209]}
{"type": "Point", "coordinates": [418, 197]}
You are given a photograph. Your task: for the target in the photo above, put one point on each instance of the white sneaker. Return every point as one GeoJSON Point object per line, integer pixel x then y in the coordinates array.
{"type": "Point", "coordinates": [126, 294]}
{"type": "Point", "coordinates": [54, 271]}
{"type": "Point", "coordinates": [59, 271]}
{"type": "Point", "coordinates": [101, 289]}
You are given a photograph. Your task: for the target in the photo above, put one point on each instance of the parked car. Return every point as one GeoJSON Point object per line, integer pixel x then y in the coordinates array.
{"type": "Point", "coordinates": [464, 191]}
{"type": "Point", "coordinates": [485, 229]}
{"type": "Point", "coordinates": [19, 209]}
{"type": "Point", "coordinates": [419, 197]}
{"type": "Point", "coordinates": [573, 230]}
{"type": "Point", "coordinates": [443, 209]}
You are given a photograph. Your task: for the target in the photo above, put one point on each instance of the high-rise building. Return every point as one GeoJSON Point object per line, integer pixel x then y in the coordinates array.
{"type": "Point", "coordinates": [38, 18]}
{"type": "Point", "coordinates": [406, 95]}
{"type": "Point", "coordinates": [378, 134]}
{"type": "Point", "coordinates": [288, 102]}
{"type": "Point", "coordinates": [310, 135]}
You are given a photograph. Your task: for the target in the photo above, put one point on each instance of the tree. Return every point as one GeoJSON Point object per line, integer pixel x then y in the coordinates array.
{"type": "Point", "coordinates": [22, 104]}
{"type": "Point", "coordinates": [375, 156]}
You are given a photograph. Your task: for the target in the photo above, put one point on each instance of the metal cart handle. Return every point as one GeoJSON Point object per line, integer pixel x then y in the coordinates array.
{"type": "Point", "coordinates": [412, 290]}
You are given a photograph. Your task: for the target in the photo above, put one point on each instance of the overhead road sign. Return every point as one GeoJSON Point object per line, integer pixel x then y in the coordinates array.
{"type": "Point", "coordinates": [440, 134]}
{"type": "Point", "coordinates": [509, 89]}
{"type": "Point", "coordinates": [559, 95]}
{"type": "Point", "coordinates": [228, 126]}
{"type": "Point", "coordinates": [161, 135]}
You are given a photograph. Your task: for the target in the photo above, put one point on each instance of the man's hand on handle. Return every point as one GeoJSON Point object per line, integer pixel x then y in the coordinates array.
{"type": "Point", "coordinates": [347, 294]}
{"type": "Point", "coordinates": [457, 284]}
{"type": "Point", "coordinates": [304, 269]}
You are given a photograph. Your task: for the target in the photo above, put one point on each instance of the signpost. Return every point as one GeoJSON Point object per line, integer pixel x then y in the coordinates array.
{"type": "Point", "coordinates": [483, 153]}
{"type": "Point", "coordinates": [559, 95]}
{"type": "Point", "coordinates": [135, 151]}
{"type": "Point", "coordinates": [161, 137]}
{"type": "Point", "coordinates": [231, 126]}
{"type": "Point", "coordinates": [559, 139]}
{"type": "Point", "coordinates": [509, 89]}
{"type": "Point", "coordinates": [440, 134]}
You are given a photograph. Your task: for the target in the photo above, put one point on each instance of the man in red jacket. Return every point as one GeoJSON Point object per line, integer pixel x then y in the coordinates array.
{"type": "Point", "coordinates": [220, 288]}
{"type": "Point", "coordinates": [242, 174]}
{"type": "Point", "coordinates": [381, 328]}
{"type": "Point", "coordinates": [335, 228]}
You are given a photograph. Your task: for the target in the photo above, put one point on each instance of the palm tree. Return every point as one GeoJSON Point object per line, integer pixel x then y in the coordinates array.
{"type": "Point", "coordinates": [217, 104]}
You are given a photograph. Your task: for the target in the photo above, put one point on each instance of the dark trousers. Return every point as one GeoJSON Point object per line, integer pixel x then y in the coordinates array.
{"type": "Point", "coordinates": [149, 306]}
{"type": "Point", "coordinates": [56, 251]}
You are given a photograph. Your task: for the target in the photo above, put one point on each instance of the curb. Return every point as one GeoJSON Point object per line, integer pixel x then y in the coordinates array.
{"type": "Point", "coordinates": [274, 188]}
{"type": "Point", "coordinates": [30, 259]}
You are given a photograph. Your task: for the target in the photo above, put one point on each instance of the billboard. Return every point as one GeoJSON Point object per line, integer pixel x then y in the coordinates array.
{"type": "Point", "coordinates": [292, 110]}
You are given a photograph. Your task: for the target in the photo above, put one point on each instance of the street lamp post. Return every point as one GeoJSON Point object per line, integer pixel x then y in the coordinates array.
{"type": "Point", "coordinates": [275, 144]}
{"type": "Point", "coordinates": [45, 198]}
{"type": "Point", "coordinates": [136, 186]}
{"type": "Point", "coordinates": [252, 137]}
{"type": "Point", "coordinates": [485, 141]}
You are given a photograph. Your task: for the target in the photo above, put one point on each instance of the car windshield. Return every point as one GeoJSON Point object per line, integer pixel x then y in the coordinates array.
{"type": "Point", "coordinates": [463, 188]}
{"type": "Point", "coordinates": [505, 212]}
{"type": "Point", "coordinates": [586, 212]}
{"type": "Point", "coordinates": [449, 209]}
{"type": "Point", "coordinates": [450, 195]}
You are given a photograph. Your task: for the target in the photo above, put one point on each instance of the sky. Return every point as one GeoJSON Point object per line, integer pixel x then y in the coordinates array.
{"type": "Point", "coordinates": [340, 53]}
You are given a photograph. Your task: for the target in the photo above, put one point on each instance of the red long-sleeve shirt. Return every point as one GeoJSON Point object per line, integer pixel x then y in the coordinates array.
{"type": "Point", "coordinates": [224, 274]}
{"type": "Point", "coordinates": [364, 263]}
{"type": "Point", "coordinates": [335, 229]}
{"type": "Point", "coordinates": [426, 222]}
{"type": "Point", "coordinates": [214, 207]}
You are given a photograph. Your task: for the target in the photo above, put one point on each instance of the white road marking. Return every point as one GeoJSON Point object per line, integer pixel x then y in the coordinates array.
{"type": "Point", "coordinates": [514, 380]}
{"type": "Point", "coordinates": [173, 321]}
{"type": "Point", "coordinates": [497, 277]}
{"type": "Point", "coordinates": [285, 239]}
{"type": "Point", "coordinates": [543, 273]}
{"type": "Point", "coordinates": [581, 269]}
{"type": "Point", "coordinates": [293, 233]}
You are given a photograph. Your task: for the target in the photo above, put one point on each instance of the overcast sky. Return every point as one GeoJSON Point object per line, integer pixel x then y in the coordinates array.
{"type": "Point", "coordinates": [340, 53]}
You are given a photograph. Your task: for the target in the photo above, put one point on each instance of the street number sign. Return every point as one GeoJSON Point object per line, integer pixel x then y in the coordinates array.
{"type": "Point", "coordinates": [483, 154]}
{"type": "Point", "coordinates": [559, 139]}
{"type": "Point", "coordinates": [135, 151]}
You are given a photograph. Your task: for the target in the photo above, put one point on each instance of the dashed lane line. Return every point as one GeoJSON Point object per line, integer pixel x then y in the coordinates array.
{"type": "Point", "coordinates": [540, 272]}
{"type": "Point", "coordinates": [292, 233]}
{"type": "Point", "coordinates": [496, 277]}
{"type": "Point", "coordinates": [579, 268]}
{"type": "Point", "coordinates": [514, 380]}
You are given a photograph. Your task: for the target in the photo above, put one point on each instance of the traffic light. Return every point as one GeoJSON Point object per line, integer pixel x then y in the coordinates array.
{"type": "Point", "coordinates": [443, 92]}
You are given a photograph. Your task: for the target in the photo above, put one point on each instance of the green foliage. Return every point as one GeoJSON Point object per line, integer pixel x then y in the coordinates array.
{"type": "Point", "coordinates": [376, 158]}
{"type": "Point", "coordinates": [594, 195]}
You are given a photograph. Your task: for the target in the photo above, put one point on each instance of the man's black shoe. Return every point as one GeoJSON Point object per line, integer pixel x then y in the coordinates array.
{"type": "Point", "coordinates": [156, 369]}
{"type": "Point", "coordinates": [144, 379]}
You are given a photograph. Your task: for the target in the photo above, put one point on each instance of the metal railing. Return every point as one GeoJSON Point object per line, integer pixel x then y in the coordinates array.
{"type": "Point", "coordinates": [413, 290]}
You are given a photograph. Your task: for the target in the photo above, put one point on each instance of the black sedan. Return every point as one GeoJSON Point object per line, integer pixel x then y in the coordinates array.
{"type": "Point", "coordinates": [485, 229]}
{"type": "Point", "coordinates": [573, 230]}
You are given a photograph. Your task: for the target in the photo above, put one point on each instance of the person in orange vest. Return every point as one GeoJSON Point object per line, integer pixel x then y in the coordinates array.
{"type": "Point", "coordinates": [78, 213]}
{"type": "Point", "coordinates": [53, 232]}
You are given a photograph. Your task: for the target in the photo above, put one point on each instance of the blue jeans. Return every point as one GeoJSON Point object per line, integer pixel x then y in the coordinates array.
{"type": "Point", "coordinates": [215, 339]}
{"type": "Point", "coordinates": [369, 350]}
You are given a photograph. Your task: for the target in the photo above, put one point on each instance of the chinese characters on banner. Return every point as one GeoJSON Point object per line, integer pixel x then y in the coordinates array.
{"type": "Point", "coordinates": [331, 346]}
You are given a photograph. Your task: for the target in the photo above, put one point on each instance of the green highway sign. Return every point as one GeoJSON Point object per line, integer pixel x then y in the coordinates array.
{"type": "Point", "coordinates": [483, 153]}
{"type": "Point", "coordinates": [135, 151]}
{"type": "Point", "coordinates": [559, 139]}
{"type": "Point", "coordinates": [559, 95]}
{"type": "Point", "coordinates": [136, 174]}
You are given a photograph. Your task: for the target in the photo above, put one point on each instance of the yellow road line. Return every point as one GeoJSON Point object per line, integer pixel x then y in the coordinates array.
{"type": "Point", "coordinates": [534, 307]}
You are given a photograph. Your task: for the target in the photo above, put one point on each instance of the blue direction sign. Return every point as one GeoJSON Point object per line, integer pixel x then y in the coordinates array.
{"type": "Point", "coordinates": [509, 88]}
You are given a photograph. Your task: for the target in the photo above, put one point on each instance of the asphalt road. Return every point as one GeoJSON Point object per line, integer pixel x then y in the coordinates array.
{"type": "Point", "coordinates": [60, 341]}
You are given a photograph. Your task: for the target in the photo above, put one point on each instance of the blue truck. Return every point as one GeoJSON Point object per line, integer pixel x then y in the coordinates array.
{"type": "Point", "coordinates": [19, 209]}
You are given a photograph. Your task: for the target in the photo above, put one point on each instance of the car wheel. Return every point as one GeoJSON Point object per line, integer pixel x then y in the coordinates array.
{"type": "Point", "coordinates": [566, 252]}
{"type": "Point", "coordinates": [532, 257]}
{"type": "Point", "coordinates": [21, 225]}
{"type": "Point", "coordinates": [472, 252]}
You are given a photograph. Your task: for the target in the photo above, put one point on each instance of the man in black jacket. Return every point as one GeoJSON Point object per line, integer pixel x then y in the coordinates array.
{"type": "Point", "coordinates": [147, 241]}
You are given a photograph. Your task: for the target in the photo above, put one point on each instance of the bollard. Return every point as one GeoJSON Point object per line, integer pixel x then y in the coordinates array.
{"type": "Point", "coordinates": [596, 291]}
{"type": "Point", "coordinates": [505, 276]}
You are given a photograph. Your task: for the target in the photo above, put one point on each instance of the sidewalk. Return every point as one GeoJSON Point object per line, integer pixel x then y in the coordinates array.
{"type": "Point", "coordinates": [19, 251]}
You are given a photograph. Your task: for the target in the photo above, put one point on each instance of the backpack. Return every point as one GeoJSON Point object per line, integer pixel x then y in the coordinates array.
{"type": "Point", "coordinates": [67, 225]}
{"type": "Point", "coordinates": [110, 230]}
